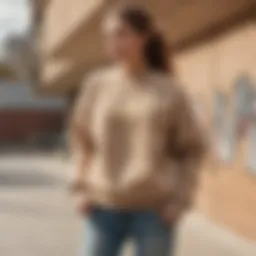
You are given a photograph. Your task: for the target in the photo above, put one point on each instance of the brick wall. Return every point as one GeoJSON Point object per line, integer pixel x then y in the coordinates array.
{"type": "Point", "coordinates": [22, 125]}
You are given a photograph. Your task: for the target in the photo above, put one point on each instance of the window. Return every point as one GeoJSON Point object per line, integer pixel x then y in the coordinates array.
{"type": "Point", "coordinates": [245, 116]}
{"type": "Point", "coordinates": [244, 95]}
{"type": "Point", "coordinates": [224, 128]}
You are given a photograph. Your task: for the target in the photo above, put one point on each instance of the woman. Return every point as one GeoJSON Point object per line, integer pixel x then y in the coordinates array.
{"type": "Point", "coordinates": [138, 143]}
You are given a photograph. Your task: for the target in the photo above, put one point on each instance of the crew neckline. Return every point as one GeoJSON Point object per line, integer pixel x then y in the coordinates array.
{"type": "Point", "coordinates": [139, 77]}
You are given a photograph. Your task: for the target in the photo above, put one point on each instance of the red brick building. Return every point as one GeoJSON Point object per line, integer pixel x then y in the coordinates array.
{"type": "Point", "coordinates": [24, 115]}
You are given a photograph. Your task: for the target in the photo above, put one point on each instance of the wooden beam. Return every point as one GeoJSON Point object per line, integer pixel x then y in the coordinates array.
{"type": "Point", "coordinates": [213, 31]}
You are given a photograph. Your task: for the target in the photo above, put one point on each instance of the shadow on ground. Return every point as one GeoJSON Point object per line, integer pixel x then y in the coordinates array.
{"type": "Point", "coordinates": [28, 178]}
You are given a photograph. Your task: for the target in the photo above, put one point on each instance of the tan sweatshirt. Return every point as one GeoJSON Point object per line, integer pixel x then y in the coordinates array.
{"type": "Point", "coordinates": [143, 139]}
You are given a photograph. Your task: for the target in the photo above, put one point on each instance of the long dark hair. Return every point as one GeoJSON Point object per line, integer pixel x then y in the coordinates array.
{"type": "Point", "coordinates": [155, 51]}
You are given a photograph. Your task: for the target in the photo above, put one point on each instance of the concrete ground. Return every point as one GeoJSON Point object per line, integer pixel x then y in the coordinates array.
{"type": "Point", "coordinates": [36, 216]}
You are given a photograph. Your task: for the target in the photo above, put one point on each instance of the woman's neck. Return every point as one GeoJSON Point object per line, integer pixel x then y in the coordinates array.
{"type": "Point", "coordinates": [135, 70]}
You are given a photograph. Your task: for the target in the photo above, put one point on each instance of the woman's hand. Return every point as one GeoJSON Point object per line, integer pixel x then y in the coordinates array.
{"type": "Point", "coordinates": [171, 213]}
{"type": "Point", "coordinates": [83, 204]}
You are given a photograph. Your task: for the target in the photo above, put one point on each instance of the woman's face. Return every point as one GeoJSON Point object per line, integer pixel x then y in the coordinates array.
{"type": "Point", "coordinates": [121, 41]}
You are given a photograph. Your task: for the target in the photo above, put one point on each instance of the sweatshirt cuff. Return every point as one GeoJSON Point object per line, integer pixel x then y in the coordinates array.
{"type": "Point", "coordinates": [77, 186]}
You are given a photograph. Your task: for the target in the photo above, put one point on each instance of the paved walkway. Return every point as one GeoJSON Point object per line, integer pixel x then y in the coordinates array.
{"type": "Point", "coordinates": [36, 216]}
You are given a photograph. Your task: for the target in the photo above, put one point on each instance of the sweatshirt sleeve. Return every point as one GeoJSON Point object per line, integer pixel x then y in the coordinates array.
{"type": "Point", "coordinates": [80, 137]}
{"type": "Point", "coordinates": [187, 147]}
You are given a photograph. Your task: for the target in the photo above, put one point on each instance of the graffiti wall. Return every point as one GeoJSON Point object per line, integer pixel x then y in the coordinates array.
{"type": "Point", "coordinates": [235, 120]}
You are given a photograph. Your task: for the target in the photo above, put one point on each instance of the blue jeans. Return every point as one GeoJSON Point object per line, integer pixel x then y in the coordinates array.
{"type": "Point", "coordinates": [106, 231]}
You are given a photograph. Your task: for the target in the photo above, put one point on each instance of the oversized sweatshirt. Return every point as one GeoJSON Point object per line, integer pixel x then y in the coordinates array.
{"type": "Point", "coordinates": [143, 139]}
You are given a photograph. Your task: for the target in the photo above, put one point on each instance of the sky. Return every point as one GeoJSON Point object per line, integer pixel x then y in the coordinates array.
{"type": "Point", "coordinates": [14, 17]}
